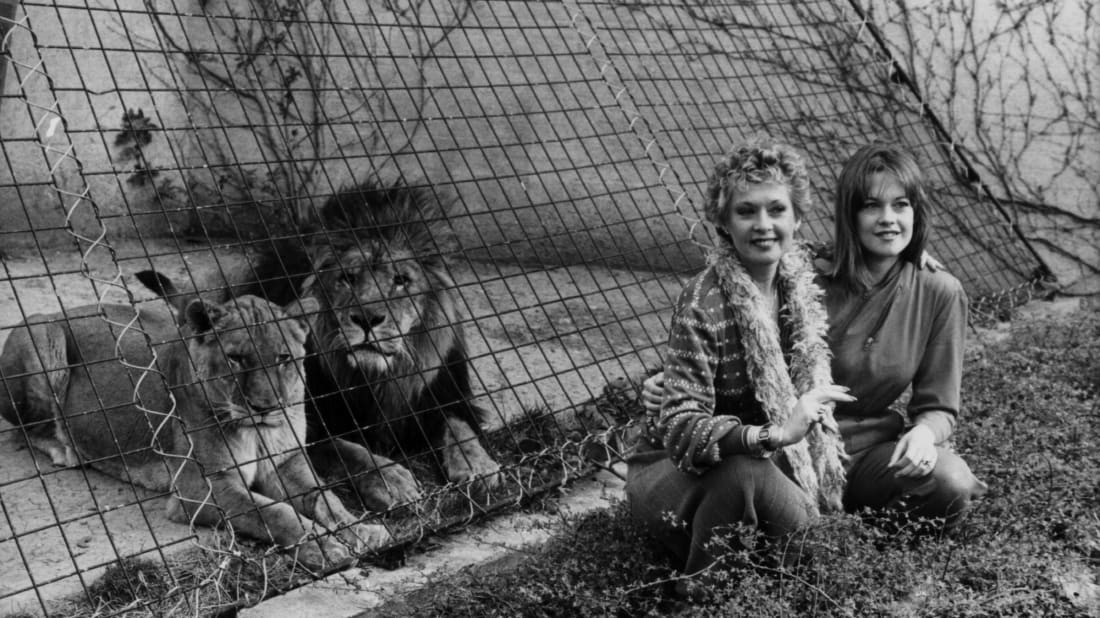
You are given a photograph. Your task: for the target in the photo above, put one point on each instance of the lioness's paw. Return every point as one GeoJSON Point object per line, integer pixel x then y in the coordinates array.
{"type": "Point", "coordinates": [64, 457]}
{"type": "Point", "coordinates": [365, 537]}
{"type": "Point", "coordinates": [322, 553]}
{"type": "Point", "coordinates": [388, 487]}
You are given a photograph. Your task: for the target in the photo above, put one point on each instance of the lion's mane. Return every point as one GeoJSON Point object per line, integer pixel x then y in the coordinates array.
{"type": "Point", "coordinates": [369, 238]}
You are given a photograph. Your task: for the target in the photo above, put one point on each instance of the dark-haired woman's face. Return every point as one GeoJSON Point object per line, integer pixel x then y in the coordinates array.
{"type": "Point", "coordinates": [761, 221]}
{"type": "Point", "coordinates": [885, 220]}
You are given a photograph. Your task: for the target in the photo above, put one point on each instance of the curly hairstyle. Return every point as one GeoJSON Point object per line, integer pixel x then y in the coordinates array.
{"type": "Point", "coordinates": [853, 189]}
{"type": "Point", "coordinates": [760, 160]}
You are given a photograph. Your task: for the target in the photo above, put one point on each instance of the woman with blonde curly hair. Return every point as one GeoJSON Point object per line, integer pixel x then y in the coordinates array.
{"type": "Point", "coordinates": [745, 434]}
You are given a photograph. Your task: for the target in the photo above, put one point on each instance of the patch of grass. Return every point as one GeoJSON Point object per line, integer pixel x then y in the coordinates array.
{"type": "Point", "coordinates": [1030, 547]}
{"type": "Point", "coordinates": [127, 583]}
{"type": "Point", "coordinates": [209, 581]}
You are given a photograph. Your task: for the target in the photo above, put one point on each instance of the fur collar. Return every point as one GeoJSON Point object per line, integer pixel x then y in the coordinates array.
{"type": "Point", "coordinates": [816, 463]}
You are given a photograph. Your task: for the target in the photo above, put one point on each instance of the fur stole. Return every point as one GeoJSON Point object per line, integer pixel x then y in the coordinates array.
{"type": "Point", "coordinates": [817, 463]}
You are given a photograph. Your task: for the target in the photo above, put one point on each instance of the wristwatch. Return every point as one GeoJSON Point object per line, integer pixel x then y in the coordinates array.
{"type": "Point", "coordinates": [765, 436]}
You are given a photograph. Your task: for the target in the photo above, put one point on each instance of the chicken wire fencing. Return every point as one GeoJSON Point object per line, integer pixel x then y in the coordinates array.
{"type": "Point", "coordinates": [481, 213]}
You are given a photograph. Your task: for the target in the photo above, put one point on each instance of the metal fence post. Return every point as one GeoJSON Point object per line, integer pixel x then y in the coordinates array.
{"type": "Point", "coordinates": [7, 15]}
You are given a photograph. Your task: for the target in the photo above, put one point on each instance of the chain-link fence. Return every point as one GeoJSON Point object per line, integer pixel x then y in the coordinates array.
{"type": "Point", "coordinates": [481, 211]}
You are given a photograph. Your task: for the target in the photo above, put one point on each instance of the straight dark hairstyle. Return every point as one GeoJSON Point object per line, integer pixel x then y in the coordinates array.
{"type": "Point", "coordinates": [852, 191]}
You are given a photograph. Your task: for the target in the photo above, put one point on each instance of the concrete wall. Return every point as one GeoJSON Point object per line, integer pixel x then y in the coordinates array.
{"type": "Point", "coordinates": [73, 74]}
{"type": "Point", "coordinates": [1033, 85]}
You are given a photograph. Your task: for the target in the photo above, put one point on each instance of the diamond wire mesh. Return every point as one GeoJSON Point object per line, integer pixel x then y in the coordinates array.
{"type": "Point", "coordinates": [573, 138]}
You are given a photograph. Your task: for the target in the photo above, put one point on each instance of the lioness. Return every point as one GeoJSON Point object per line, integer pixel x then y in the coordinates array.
{"type": "Point", "coordinates": [387, 371]}
{"type": "Point", "coordinates": [232, 446]}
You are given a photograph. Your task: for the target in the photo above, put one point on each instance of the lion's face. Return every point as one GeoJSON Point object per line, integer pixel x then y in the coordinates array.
{"type": "Point", "coordinates": [247, 355]}
{"type": "Point", "coordinates": [377, 300]}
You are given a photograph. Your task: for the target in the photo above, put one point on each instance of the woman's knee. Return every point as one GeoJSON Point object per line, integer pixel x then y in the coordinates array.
{"type": "Point", "coordinates": [755, 492]}
{"type": "Point", "coordinates": [740, 471]}
{"type": "Point", "coordinates": [647, 509]}
{"type": "Point", "coordinates": [955, 486]}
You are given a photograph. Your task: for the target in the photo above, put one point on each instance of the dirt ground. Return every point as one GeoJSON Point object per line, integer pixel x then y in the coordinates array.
{"type": "Point", "coordinates": [549, 337]}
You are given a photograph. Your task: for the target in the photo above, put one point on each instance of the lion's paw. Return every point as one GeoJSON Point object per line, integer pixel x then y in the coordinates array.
{"type": "Point", "coordinates": [478, 468]}
{"type": "Point", "coordinates": [323, 553]}
{"type": "Point", "coordinates": [387, 487]}
{"type": "Point", "coordinates": [365, 537]}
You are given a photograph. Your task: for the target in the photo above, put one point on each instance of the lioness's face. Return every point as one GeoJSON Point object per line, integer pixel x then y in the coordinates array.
{"type": "Point", "coordinates": [249, 360]}
{"type": "Point", "coordinates": [376, 297]}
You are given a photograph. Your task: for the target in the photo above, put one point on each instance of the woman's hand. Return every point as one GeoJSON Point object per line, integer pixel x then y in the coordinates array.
{"type": "Point", "coordinates": [929, 263]}
{"type": "Point", "coordinates": [915, 455]}
{"type": "Point", "coordinates": [653, 392]}
{"type": "Point", "coordinates": [809, 410]}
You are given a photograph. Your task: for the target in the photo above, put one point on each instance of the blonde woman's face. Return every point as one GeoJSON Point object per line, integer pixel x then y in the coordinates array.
{"type": "Point", "coordinates": [761, 221]}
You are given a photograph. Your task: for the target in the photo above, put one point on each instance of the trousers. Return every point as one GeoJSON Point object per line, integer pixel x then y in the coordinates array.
{"type": "Point", "coordinates": [685, 511]}
{"type": "Point", "coordinates": [946, 491]}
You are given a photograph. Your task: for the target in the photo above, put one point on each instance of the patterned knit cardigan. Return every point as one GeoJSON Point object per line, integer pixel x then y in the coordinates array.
{"type": "Point", "coordinates": [722, 343]}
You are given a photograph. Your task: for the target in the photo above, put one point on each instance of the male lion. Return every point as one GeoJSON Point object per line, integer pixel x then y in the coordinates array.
{"type": "Point", "coordinates": [387, 372]}
{"type": "Point", "coordinates": [232, 446]}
